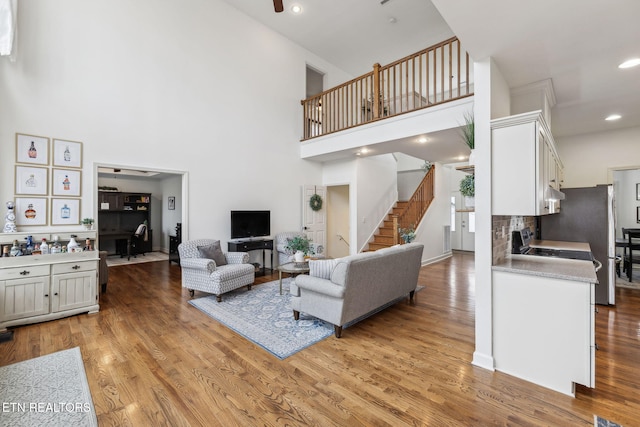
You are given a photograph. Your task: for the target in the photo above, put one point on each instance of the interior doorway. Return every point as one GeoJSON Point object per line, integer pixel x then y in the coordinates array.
{"type": "Point", "coordinates": [168, 201]}
{"type": "Point", "coordinates": [338, 220]}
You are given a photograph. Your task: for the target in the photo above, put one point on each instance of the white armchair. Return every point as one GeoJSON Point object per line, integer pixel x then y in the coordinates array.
{"type": "Point", "coordinates": [200, 273]}
{"type": "Point", "coordinates": [281, 242]}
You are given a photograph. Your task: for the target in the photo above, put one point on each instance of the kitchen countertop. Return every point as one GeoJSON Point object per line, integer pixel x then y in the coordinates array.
{"type": "Point", "coordinates": [557, 244]}
{"type": "Point", "coordinates": [559, 268]}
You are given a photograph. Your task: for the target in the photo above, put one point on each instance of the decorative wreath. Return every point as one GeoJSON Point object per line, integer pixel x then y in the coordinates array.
{"type": "Point", "coordinates": [315, 202]}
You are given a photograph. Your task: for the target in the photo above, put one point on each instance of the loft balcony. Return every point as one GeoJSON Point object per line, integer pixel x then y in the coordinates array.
{"type": "Point", "coordinates": [424, 80]}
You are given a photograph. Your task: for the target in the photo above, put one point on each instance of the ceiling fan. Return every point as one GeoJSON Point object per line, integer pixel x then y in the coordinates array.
{"type": "Point", "coordinates": [277, 4]}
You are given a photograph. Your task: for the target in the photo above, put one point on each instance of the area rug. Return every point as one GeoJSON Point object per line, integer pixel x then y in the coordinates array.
{"type": "Point", "coordinates": [601, 422]}
{"type": "Point", "coordinates": [623, 281]}
{"type": "Point", "coordinates": [148, 257]}
{"type": "Point", "coordinates": [265, 317]}
{"type": "Point", "coordinates": [50, 390]}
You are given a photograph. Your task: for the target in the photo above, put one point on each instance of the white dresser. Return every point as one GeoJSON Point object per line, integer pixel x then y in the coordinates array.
{"type": "Point", "coordinates": [37, 288]}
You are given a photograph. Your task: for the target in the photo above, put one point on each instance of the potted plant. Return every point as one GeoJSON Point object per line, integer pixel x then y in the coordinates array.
{"type": "Point", "coordinates": [88, 223]}
{"type": "Point", "coordinates": [408, 234]}
{"type": "Point", "coordinates": [299, 246]}
{"type": "Point", "coordinates": [468, 190]}
{"type": "Point", "coordinates": [468, 135]}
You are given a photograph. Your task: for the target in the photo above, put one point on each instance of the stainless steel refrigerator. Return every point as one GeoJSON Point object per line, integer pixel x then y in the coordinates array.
{"type": "Point", "coordinates": [587, 215]}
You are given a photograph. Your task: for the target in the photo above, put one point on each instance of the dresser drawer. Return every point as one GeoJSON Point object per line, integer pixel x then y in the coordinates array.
{"type": "Point", "coordinates": [22, 272]}
{"type": "Point", "coordinates": [73, 267]}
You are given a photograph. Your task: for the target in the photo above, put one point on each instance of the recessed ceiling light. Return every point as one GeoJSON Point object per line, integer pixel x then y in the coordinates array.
{"type": "Point", "coordinates": [296, 9]}
{"type": "Point", "coordinates": [422, 139]}
{"type": "Point", "coordinates": [613, 117]}
{"type": "Point", "coordinates": [630, 63]}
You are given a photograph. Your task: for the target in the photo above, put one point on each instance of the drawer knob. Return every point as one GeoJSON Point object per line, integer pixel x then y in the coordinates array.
{"type": "Point", "coordinates": [75, 267]}
{"type": "Point", "coordinates": [24, 273]}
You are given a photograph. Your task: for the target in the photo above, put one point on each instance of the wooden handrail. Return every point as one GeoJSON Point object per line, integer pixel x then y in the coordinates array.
{"type": "Point", "coordinates": [417, 205]}
{"type": "Point", "coordinates": [440, 73]}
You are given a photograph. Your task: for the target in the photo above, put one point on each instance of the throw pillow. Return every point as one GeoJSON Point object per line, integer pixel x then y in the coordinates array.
{"type": "Point", "coordinates": [213, 252]}
{"type": "Point", "coordinates": [322, 268]}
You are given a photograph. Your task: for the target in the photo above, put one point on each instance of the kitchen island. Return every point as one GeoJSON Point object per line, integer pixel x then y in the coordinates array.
{"type": "Point", "coordinates": [543, 319]}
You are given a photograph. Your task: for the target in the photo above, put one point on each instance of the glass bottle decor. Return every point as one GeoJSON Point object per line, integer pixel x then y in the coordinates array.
{"type": "Point", "coordinates": [44, 247]}
{"type": "Point", "coordinates": [56, 248]}
{"type": "Point", "coordinates": [65, 212]}
{"type": "Point", "coordinates": [73, 246]}
{"type": "Point", "coordinates": [67, 154]}
{"type": "Point", "coordinates": [32, 153]}
{"type": "Point", "coordinates": [15, 249]}
{"type": "Point", "coordinates": [30, 213]}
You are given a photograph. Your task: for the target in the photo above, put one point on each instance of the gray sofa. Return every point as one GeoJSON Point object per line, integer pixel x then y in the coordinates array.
{"type": "Point", "coordinates": [350, 287]}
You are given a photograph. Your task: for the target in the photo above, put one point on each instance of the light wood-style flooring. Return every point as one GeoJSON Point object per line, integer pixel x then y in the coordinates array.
{"type": "Point", "coordinates": [152, 359]}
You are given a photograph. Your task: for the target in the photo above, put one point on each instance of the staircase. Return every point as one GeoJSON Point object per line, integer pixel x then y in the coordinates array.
{"type": "Point", "coordinates": [385, 235]}
{"type": "Point", "coordinates": [405, 214]}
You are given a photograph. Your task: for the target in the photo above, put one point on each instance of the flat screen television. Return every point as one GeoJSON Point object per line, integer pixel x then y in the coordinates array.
{"type": "Point", "coordinates": [248, 224]}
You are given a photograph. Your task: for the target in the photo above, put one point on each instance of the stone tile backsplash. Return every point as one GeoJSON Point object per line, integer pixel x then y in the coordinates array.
{"type": "Point", "coordinates": [502, 226]}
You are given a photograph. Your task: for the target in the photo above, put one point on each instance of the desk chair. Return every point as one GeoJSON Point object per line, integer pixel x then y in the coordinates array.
{"type": "Point", "coordinates": [137, 241]}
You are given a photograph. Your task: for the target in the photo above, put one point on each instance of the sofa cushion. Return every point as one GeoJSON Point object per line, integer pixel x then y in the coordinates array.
{"type": "Point", "coordinates": [322, 267]}
{"type": "Point", "coordinates": [214, 252]}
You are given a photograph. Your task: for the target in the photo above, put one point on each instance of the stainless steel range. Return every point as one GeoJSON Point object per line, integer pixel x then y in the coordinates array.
{"type": "Point", "coordinates": [521, 239]}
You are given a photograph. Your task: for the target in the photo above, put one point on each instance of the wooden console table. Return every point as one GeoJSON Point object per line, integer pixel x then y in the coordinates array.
{"type": "Point", "coordinates": [254, 245]}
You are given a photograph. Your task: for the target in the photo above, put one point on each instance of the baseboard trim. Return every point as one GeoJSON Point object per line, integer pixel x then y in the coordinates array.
{"type": "Point", "coordinates": [436, 259]}
{"type": "Point", "coordinates": [483, 361]}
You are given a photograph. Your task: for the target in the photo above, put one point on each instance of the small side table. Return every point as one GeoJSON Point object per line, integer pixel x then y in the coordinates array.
{"type": "Point", "coordinates": [292, 268]}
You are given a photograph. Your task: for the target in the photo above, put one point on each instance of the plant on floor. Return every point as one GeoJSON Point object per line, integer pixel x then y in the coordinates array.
{"type": "Point", "coordinates": [408, 234]}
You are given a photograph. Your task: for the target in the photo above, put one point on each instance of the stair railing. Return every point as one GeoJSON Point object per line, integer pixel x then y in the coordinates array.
{"type": "Point", "coordinates": [417, 206]}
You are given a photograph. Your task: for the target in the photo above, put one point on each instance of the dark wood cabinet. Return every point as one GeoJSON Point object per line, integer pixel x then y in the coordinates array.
{"type": "Point", "coordinates": [120, 214]}
{"type": "Point", "coordinates": [255, 245]}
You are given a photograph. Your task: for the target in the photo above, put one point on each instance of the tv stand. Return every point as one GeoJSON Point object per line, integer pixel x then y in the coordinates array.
{"type": "Point", "coordinates": [254, 245]}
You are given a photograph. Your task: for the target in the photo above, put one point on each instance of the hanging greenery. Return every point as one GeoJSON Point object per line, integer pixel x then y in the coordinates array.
{"type": "Point", "coordinates": [315, 202]}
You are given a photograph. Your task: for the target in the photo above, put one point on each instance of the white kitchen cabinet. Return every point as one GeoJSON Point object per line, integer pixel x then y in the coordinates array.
{"type": "Point", "coordinates": [524, 165]}
{"type": "Point", "coordinates": [544, 330]}
{"type": "Point", "coordinates": [38, 288]}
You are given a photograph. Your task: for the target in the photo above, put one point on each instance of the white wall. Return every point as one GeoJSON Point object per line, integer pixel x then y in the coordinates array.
{"type": "Point", "coordinates": [193, 86]}
{"type": "Point", "coordinates": [588, 159]}
{"type": "Point", "coordinates": [431, 229]}
{"type": "Point", "coordinates": [338, 221]}
{"type": "Point", "coordinates": [171, 186]}
{"type": "Point", "coordinates": [377, 192]}
{"type": "Point", "coordinates": [626, 199]}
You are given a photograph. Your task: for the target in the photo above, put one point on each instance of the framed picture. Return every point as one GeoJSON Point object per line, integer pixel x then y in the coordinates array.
{"type": "Point", "coordinates": [67, 154]}
{"type": "Point", "coordinates": [32, 149]}
{"type": "Point", "coordinates": [65, 211]}
{"type": "Point", "coordinates": [32, 180]}
{"type": "Point", "coordinates": [31, 211]}
{"type": "Point", "coordinates": [637, 191]}
{"type": "Point", "coordinates": [172, 203]}
{"type": "Point", "coordinates": [66, 182]}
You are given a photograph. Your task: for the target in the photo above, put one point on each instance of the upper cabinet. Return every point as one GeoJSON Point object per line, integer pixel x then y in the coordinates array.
{"type": "Point", "coordinates": [526, 170]}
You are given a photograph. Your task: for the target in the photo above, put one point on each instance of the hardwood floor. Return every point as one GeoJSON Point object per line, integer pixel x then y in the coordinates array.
{"type": "Point", "coordinates": [153, 359]}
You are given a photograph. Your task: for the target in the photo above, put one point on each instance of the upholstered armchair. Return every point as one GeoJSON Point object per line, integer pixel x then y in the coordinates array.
{"type": "Point", "coordinates": [281, 242]}
{"type": "Point", "coordinates": [206, 268]}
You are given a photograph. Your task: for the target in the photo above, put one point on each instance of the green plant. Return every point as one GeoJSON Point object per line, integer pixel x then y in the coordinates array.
{"type": "Point", "coordinates": [468, 186]}
{"type": "Point", "coordinates": [468, 130]}
{"type": "Point", "coordinates": [408, 234]}
{"type": "Point", "coordinates": [87, 221]}
{"type": "Point", "coordinates": [426, 166]}
{"type": "Point", "coordinates": [299, 243]}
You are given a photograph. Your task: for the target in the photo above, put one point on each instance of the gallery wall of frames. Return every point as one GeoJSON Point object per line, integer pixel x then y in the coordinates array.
{"type": "Point", "coordinates": [48, 181]}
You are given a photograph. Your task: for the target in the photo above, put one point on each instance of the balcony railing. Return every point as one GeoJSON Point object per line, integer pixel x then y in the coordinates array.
{"type": "Point", "coordinates": [437, 74]}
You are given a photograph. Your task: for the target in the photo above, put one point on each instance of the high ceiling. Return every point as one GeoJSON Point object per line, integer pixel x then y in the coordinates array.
{"type": "Point", "coordinates": [577, 44]}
